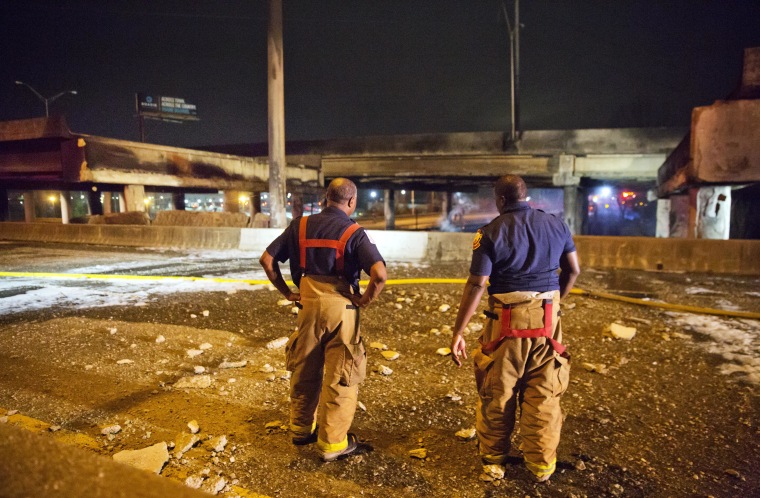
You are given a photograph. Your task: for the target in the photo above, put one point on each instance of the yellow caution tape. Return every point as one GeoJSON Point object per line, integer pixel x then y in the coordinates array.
{"type": "Point", "coordinates": [405, 281]}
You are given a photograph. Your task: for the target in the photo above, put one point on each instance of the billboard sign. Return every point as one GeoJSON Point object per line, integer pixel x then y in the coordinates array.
{"type": "Point", "coordinates": [165, 108]}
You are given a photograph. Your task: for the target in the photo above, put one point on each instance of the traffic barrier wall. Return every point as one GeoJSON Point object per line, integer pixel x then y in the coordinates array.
{"type": "Point", "coordinates": [741, 257]}
{"type": "Point", "coordinates": [124, 235]}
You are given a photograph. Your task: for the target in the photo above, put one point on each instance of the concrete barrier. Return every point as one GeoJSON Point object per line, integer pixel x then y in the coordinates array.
{"type": "Point", "coordinates": [739, 257]}
{"type": "Point", "coordinates": [124, 235]}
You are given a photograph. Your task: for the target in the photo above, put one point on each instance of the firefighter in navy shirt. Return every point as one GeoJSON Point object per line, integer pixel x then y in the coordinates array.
{"type": "Point", "coordinates": [520, 359]}
{"type": "Point", "coordinates": [326, 355]}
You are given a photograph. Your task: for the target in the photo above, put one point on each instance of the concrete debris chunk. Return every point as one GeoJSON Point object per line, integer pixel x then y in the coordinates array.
{"type": "Point", "coordinates": [390, 355]}
{"type": "Point", "coordinates": [54, 428]}
{"type": "Point", "coordinates": [124, 362]}
{"type": "Point", "coordinates": [284, 302]}
{"type": "Point", "coordinates": [443, 351]}
{"type": "Point", "coordinates": [398, 306]}
{"type": "Point", "coordinates": [195, 382]}
{"type": "Point", "coordinates": [361, 406]}
{"type": "Point", "coordinates": [492, 472]}
{"type": "Point", "coordinates": [112, 330]}
{"type": "Point", "coordinates": [444, 308]}
{"type": "Point", "coordinates": [283, 374]}
{"type": "Point", "coordinates": [193, 426]}
{"type": "Point", "coordinates": [278, 343]}
{"type": "Point", "coordinates": [595, 367]}
{"type": "Point", "coordinates": [205, 312]}
{"type": "Point", "coordinates": [218, 443]}
{"type": "Point", "coordinates": [199, 369]}
{"type": "Point", "coordinates": [193, 315]}
{"type": "Point", "coordinates": [294, 310]}
{"type": "Point", "coordinates": [192, 353]}
{"type": "Point", "coordinates": [420, 453]}
{"type": "Point", "coordinates": [383, 370]}
{"type": "Point", "coordinates": [111, 429]}
{"type": "Point", "coordinates": [580, 465]}
{"type": "Point", "coordinates": [214, 485]}
{"type": "Point", "coordinates": [205, 346]}
{"type": "Point", "coordinates": [233, 364]}
{"type": "Point", "coordinates": [267, 368]}
{"type": "Point", "coordinates": [466, 434]}
{"type": "Point", "coordinates": [378, 345]}
{"type": "Point", "coordinates": [4, 419]}
{"type": "Point", "coordinates": [184, 442]}
{"type": "Point", "coordinates": [153, 458]}
{"type": "Point", "coordinates": [275, 425]}
{"type": "Point", "coordinates": [475, 327]}
{"type": "Point", "coordinates": [160, 339]}
{"type": "Point", "coordinates": [618, 331]}
{"type": "Point", "coordinates": [733, 473]}
{"type": "Point", "coordinates": [435, 332]}
{"type": "Point", "coordinates": [454, 396]}
{"type": "Point", "coordinates": [11, 413]}
{"type": "Point", "coordinates": [617, 490]}
{"type": "Point", "coordinates": [194, 482]}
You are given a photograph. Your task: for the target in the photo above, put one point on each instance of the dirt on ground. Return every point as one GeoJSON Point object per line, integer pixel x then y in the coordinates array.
{"type": "Point", "coordinates": [671, 412]}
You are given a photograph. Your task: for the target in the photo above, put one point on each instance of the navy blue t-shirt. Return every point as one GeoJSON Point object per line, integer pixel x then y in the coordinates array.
{"type": "Point", "coordinates": [360, 253]}
{"type": "Point", "coordinates": [520, 250]}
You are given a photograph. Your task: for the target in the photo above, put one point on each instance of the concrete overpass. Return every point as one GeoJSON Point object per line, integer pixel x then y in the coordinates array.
{"type": "Point", "coordinates": [43, 154]}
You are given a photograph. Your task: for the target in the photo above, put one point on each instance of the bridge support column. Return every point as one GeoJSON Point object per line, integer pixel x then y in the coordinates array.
{"type": "Point", "coordinates": [66, 208]}
{"type": "Point", "coordinates": [389, 206]}
{"type": "Point", "coordinates": [134, 198]}
{"type": "Point", "coordinates": [178, 201]}
{"type": "Point", "coordinates": [93, 199]}
{"type": "Point", "coordinates": [663, 219]}
{"type": "Point", "coordinates": [29, 212]}
{"type": "Point", "coordinates": [231, 201]}
{"type": "Point", "coordinates": [106, 203]}
{"type": "Point", "coordinates": [570, 201]}
{"type": "Point", "coordinates": [5, 211]}
{"type": "Point", "coordinates": [710, 212]}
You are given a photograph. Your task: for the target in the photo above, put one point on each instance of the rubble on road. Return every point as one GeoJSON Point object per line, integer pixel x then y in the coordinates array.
{"type": "Point", "coordinates": [153, 458]}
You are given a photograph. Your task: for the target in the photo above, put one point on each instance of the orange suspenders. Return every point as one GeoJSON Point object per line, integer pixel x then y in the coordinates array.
{"type": "Point", "coordinates": [338, 245]}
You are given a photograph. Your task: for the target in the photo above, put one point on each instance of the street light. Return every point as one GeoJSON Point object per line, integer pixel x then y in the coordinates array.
{"type": "Point", "coordinates": [48, 100]}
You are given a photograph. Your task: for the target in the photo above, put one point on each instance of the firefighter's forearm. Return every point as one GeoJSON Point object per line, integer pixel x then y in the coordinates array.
{"type": "Point", "coordinates": [377, 277]}
{"type": "Point", "coordinates": [473, 291]}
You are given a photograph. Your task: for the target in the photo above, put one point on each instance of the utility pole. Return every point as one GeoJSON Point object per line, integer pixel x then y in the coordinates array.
{"type": "Point", "coordinates": [276, 117]}
{"type": "Point", "coordinates": [514, 67]}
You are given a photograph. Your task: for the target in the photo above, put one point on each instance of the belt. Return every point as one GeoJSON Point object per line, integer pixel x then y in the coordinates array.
{"type": "Point", "coordinates": [508, 331]}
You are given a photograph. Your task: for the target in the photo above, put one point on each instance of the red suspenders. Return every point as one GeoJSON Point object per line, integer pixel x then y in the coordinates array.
{"type": "Point", "coordinates": [338, 245]}
{"type": "Point", "coordinates": [507, 331]}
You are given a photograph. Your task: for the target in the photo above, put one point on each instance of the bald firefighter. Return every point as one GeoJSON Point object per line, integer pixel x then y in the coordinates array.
{"type": "Point", "coordinates": [326, 355]}
{"type": "Point", "coordinates": [520, 361]}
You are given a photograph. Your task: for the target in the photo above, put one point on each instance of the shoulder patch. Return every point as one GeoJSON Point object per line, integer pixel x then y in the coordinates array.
{"type": "Point", "coordinates": [476, 240]}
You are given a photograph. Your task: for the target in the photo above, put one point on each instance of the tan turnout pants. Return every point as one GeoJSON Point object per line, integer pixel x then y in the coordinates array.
{"type": "Point", "coordinates": [524, 372]}
{"type": "Point", "coordinates": [328, 361]}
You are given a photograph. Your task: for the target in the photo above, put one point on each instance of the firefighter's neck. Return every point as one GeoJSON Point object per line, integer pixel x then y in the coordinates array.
{"type": "Point", "coordinates": [347, 207]}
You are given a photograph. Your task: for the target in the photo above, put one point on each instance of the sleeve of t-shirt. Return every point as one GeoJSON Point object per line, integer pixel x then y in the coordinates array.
{"type": "Point", "coordinates": [278, 249]}
{"type": "Point", "coordinates": [482, 255]}
{"type": "Point", "coordinates": [366, 250]}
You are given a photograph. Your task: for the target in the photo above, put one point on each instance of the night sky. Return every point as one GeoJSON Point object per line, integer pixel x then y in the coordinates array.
{"type": "Point", "coordinates": [355, 68]}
